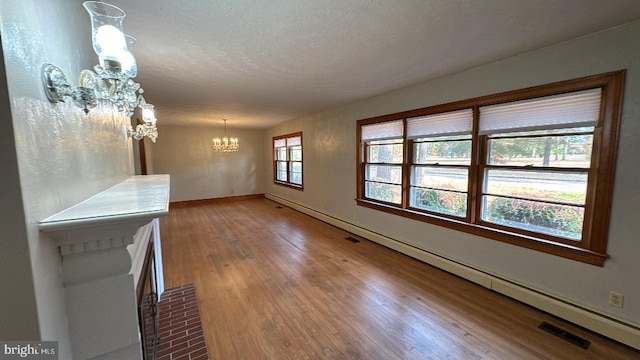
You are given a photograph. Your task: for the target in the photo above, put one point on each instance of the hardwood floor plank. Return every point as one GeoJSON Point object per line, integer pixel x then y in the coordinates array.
{"type": "Point", "coordinates": [273, 283]}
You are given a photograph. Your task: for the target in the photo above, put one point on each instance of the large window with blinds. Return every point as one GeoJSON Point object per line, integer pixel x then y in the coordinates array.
{"type": "Point", "coordinates": [287, 160]}
{"type": "Point", "coordinates": [531, 167]}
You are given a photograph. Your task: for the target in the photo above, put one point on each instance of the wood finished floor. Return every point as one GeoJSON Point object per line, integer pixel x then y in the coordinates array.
{"type": "Point", "coordinates": [273, 283]}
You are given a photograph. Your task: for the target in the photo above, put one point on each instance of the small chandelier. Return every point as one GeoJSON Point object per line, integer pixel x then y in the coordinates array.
{"type": "Point", "coordinates": [147, 128]}
{"type": "Point", "coordinates": [226, 144]}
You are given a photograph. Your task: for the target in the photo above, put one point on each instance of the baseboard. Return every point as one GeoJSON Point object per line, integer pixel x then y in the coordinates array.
{"type": "Point", "coordinates": [200, 202]}
{"type": "Point", "coordinates": [605, 324]}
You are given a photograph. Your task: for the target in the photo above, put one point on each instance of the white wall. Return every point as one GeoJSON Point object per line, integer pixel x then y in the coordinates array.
{"type": "Point", "coordinates": [330, 171]}
{"type": "Point", "coordinates": [197, 172]}
{"type": "Point", "coordinates": [63, 156]}
{"type": "Point", "coordinates": [17, 302]}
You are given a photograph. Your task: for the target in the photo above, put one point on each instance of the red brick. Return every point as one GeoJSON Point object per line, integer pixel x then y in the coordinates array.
{"type": "Point", "coordinates": [196, 334]}
{"type": "Point", "coordinates": [201, 357]}
{"type": "Point", "coordinates": [181, 353]}
{"type": "Point", "coordinates": [194, 328]}
{"type": "Point", "coordinates": [178, 329]}
{"type": "Point", "coordinates": [180, 325]}
{"type": "Point", "coordinates": [198, 353]}
{"type": "Point", "coordinates": [174, 338]}
{"type": "Point", "coordinates": [197, 343]}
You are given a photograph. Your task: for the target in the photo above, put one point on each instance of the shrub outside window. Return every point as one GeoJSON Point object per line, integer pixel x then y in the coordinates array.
{"type": "Point", "coordinates": [531, 167]}
{"type": "Point", "coordinates": [287, 165]}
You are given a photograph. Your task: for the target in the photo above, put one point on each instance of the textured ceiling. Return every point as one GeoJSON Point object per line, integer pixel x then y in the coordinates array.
{"type": "Point", "coordinates": [261, 62]}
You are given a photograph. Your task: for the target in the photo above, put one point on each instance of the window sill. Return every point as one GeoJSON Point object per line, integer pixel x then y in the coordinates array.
{"type": "Point", "coordinates": [563, 250]}
{"type": "Point", "coordinates": [289, 185]}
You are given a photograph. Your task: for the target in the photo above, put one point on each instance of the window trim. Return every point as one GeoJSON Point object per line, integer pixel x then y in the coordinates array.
{"type": "Point", "coordinates": [592, 248]}
{"type": "Point", "coordinates": [287, 183]}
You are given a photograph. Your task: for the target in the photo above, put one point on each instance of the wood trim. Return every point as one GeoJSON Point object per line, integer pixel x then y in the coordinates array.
{"type": "Point", "coordinates": [478, 156]}
{"type": "Point", "coordinates": [360, 163]}
{"type": "Point", "coordinates": [299, 133]}
{"type": "Point", "coordinates": [406, 167]}
{"type": "Point", "coordinates": [289, 185]}
{"type": "Point", "coordinates": [612, 102]}
{"type": "Point", "coordinates": [200, 202]}
{"type": "Point", "coordinates": [592, 248]}
{"type": "Point", "coordinates": [549, 247]}
{"type": "Point", "coordinates": [143, 158]}
{"type": "Point", "coordinates": [275, 162]}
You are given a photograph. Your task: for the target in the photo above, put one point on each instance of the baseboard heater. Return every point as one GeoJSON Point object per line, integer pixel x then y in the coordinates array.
{"type": "Point", "coordinates": [607, 325]}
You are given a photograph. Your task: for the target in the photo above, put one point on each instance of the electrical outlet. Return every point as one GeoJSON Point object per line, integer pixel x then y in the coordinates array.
{"type": "Point", "coordinates": [615, 299]}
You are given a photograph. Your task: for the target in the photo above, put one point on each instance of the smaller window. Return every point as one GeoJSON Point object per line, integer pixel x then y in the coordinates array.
{"type": "Point", "coordinates": [287, 160]}
{"type": "Point", "coordinates": [441, 148]}
{"type": "Point", "coordinates": [383, 161]}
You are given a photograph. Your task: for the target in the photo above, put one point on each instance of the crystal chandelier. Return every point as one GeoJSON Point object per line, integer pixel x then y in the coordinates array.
{"type": "Point", "coordinates": [112, 78]}
{"type": "Point", "coordinates": [226, 144]}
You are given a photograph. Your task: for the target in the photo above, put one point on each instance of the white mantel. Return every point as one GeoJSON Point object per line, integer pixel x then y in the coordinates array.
{"type": "Point", "coordinates": [100, 290]}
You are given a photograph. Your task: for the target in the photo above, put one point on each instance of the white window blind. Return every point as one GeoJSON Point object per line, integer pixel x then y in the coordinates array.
{"type": "Point", "coordinates": [294, 141]}
{"type": "Point", "coordinates": [575, 109]}
{"type": "Point", "coordinates": [382, 131]}
{"type": "Point", "coordinates": [279, 143]}
{"type": "Point", "coordinates": [451, 123]}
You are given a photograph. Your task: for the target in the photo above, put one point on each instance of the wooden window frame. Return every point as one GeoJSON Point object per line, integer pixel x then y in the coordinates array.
{"type": "Point", "coordinates": [592, 248]}
{"type": "Point", "coordinates": [287, 183]}
{"type": "Point", "coordinates": [367, 163]}
{"type": "Point", "coordinates": [412, 165]}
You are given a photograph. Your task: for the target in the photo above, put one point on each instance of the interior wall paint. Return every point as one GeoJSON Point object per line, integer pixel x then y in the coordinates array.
{"type": "Point", "coordinates": [330, 166]}
{"type": "Point", "coordinates": [197, 172]}
{"type": "Point", "coordinates": [18, 312]}
{"type": "Point", "coordinates": [64, 156]}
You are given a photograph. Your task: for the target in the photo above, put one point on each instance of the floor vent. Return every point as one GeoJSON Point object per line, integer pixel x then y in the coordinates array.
{"type": "Point", "coordinates": [572, 338]}
{"type": "Point", "coordinates": [353, 240]}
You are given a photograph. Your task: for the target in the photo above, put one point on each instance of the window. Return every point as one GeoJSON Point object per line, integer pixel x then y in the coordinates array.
{"type": "Point", "coordinates": [530, 167]}
{"type": "Point", "coordinates": [538, 154]}
{"type": "Point", "coordinates": [383, 162]}
{"type": "Point", "coordinates": [287, 160]}
{"type": "Point", "coordinates": [441, 148]}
